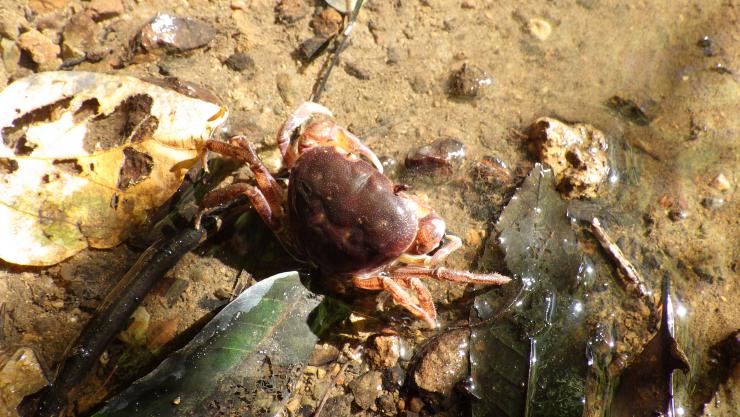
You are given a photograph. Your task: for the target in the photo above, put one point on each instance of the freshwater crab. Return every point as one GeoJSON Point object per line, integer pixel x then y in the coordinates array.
{"type": "Point", "coordinates": [341, 214]}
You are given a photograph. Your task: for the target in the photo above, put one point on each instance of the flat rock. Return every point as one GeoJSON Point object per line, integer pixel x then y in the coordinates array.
{"type": "Point", "coordinates": [323, 354]}
{"type": "Point", "coordinates": [339, 406]}
{"type": "Point", "coordinates": [243, 63]}
{"type": "Point", "coordinates": [288, 12]}
{"type": "Point", "coordinates": [105, 9]}
{"type": "Point", "coordinates": [10, 55]}
{"type": "Point", "coordinates": [42, 50]}
{"type": "Point", "coordinates": [79, 36]}
{"type": "Point", "coordinates": [175, 34]}
{"type": "Point", "coordinates": [367, 388]}
{"type": "Point", "coordinates": [10, 23]}
{"type": "Point", "coordinates": [576, 153]}
{"type": "Point", "coordinates": [46, 6]}
{"type": "Point", "coordinates": [444, 362]}
{"type": "Point", "coordinates": [384, 351]}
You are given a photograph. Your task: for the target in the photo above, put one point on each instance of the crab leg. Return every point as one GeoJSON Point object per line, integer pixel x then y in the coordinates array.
{"type": "Point", "coordinates": [242, 150]}
{"type": "Point", "coordinates": [424, 309]}
{"type": "Point", "coordinates": [452, 243]}
{"type": "Point", "coordinates": [217, 199]}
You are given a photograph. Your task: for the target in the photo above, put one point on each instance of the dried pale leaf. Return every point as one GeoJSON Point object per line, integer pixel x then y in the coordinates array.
{"type": "Point", "coordinates": [85, 156]}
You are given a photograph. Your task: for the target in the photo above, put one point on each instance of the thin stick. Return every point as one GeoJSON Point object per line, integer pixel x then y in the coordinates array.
{"type": "Point", "coordinates": [316, 96]}
{"type": "Point", "coordinates": [630, 277]}
{"type": "Point", "coordinates": [325, 397]}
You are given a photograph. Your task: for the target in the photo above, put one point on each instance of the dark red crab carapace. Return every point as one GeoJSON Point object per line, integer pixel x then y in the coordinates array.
{"type": "Point", "coordinates": [341, 214]}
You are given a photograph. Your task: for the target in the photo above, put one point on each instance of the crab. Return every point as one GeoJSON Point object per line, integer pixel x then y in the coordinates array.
{"type": "Point", "coordinates": [341, 214]}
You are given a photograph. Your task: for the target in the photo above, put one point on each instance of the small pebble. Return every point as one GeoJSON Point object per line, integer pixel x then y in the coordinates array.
{"type": "Point", "coordinates": [238, 5]}
{"type": "Point", "coordinates": [416, 404]}
{"type": "Point", "coordinates": [79, 36]}
{"type": "Point", "coordinates": [576, 153]}
{"type": "Point", "coordinates": [713, 203]}
{"type": "Point", "coordinates": [339, 406]}
{"type": "Point", "coordinates": [323, 354]}
{"type": "Point", "coordinates": [286, 88]}
{"type": "Point", "coordinates": [243, 63]}
{"type": "Point", "coordinates": [105, 9]}
{"type": "Point", "coordinates": [721, 183]}
{"type": "Point", "coordinates": [293, 405]}
{"type": "Point", "coordinates": [327, 23]}
{"type": "Point", "coordinates": [46, 6]}
{"type": "Point", "coordinates": [42, 50]}
{"type": "Point", "coordinates": [288, 12]}
{"type": "Point", "coordinates": [539, 28]}
{"type": "Point", "coordinates": [367, 388]}
{"type": "Point", "coordinates": [10, 24]}
{"type": "Point", "coordinates": [175, 34]}
{"type": "Point", "coordinates": [678, 213]}
{"type": "Point", "coordinates": [705, 43]}
{"type": "Point", "coordinates": [386, 405]}
{"type": "Point", "coordinates": [176, 401]}
{"type": "Point", "coordinates": [310, 47]}
{"type": "Point", "coordinates": [468, 82]}
{"type": "Point", "coordinates": [444, 363]}
{"type": "Point", "coordinates": [384, 351]}
{"type": "Point", "coordinates": [357, 71]}
{"type": "Point", "coordinates": [393, 56]}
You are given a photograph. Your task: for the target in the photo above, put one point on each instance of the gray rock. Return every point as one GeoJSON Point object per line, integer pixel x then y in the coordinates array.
{"type": "Point", "coordinates": [367, 388]}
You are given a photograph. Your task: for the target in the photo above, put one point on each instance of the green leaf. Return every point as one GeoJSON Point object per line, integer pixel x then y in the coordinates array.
{"type": "Point", "coordinates": [253, 345]}
{"type": "Point", "coordinates": [532, 361]}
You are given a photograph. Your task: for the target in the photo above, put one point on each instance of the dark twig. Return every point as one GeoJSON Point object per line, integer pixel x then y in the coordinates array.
{"type": "Point", "coordinates": [324, 78]}
{"type": "Point", "coordinates": [325, 397]}
{"type": "Point", "coordinates": [114, 313]}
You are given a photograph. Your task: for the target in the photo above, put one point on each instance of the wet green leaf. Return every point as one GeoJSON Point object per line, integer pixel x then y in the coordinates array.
{"type": "Point", "coordinates": [532, 361]}
{"type": "Point", "coordinates": [254, 345]}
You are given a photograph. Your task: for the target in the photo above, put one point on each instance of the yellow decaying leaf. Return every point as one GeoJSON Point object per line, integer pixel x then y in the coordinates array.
{"type": "Point", "coordinates": [85, 156]}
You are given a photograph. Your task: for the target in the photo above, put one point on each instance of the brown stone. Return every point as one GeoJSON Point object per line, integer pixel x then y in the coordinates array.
{"type": "Point", "coordinates": [175, 34]}
{"type": "Point", "coordinates": [576, 153]}
{"type": "Point", "coordinates": [46, 6]}
{"type": "Point", "coordinates": [444, 362]}
{"type": "Point", "coordinates": [384, 351]}
{"type": "Point", "coordinates": [327, 23]}
{"type": "Point", "coordinates": [10, 55]}
{"type": "Point", "coordinates": [290, 11]}
{"type": "Point", "coordinates": [10, 23]}
{"type": "Point", "coordinates": [367, 388]}
{"type": "Point", "coordinates": [79, 36]}
{"type": "Point", "coordinates": [42, 50]}
{"type": "Point", "coordinates": [105, 9]}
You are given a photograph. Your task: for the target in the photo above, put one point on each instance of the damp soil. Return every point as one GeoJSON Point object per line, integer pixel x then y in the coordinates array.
{"type": "Point", "coordinates": [673, 68]}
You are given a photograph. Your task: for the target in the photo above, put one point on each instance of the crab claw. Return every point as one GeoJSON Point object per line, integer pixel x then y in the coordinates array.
{"type": "Point", "coordinates": [304, 112]}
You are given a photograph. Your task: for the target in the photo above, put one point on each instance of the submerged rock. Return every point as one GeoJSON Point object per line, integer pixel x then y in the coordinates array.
{"type": "Point", "coordinates": [367, 388]}
{"type": "Point", "coordinates": [576, 153]}
{"type": "Point", "coordinates": [444, 362]}
{"type": "Point", "coordinates": [468, 82]}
